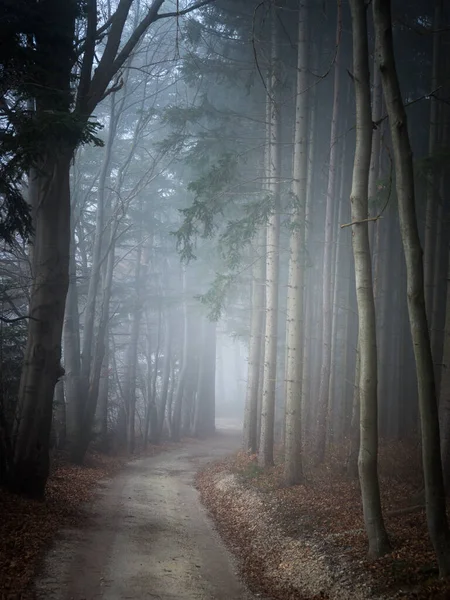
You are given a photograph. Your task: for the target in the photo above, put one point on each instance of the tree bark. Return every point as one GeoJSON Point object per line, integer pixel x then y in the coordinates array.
{"type": "Point", "coordinates": [444, 400]}
{"type": "Point", "coordinates": [293, 470]}
{"type": "Point", "coordinates": [206, 382]}
{"type": "Point", "coordinates": [71, 347]}
{"type": "Point", "coordinates": [265, 457]}
{"type": "Point", "coordinates": [175, 416]}
{"type": "Point", "coordinates": [131, 365]}
{"type": "Point", "coordinates": [429, 256]}
{"type": "Point", "coordinates": [165, 375]}
{"type": "Point", "coordinates": [41, 366]}
{"type": "Point", "coordinates": [322, 415]}
{"type": "Point", "coordinates": [368, 448]}
{"type": "Point", "coordinates": [250, 437]}
{"type": "Point", "coordinates": [431, 458]}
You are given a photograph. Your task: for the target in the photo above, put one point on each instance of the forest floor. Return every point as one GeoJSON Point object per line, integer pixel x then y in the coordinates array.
{"type": "Point", "coordinates": [142, 534]}
{"type": "Point", "coordinates": [308, 541]}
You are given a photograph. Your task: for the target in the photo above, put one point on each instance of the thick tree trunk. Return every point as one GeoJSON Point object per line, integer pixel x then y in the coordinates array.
{"type": "Point", "coordinates": [293, 470]}
{"type": "Point", "coordinates": [368, 449]}
{"type": "Point", "coordinates": [265, 457]}
{"type": "Point", "coordinates": [432, 466]}
{"type": "Point", "coordinates": [41, 366]}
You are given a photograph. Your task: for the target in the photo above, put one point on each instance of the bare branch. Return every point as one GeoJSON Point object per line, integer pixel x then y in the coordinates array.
{"type": "Point", "coordinates": [89, 53]}
{"type": "Point", "coordinates": [185, 11]}
{"type": "Point", "coordinates": [6, 320]}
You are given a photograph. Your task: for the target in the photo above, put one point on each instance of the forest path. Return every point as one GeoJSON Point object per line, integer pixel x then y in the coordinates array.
{"type": "Point", "coordinates": [147, 536]}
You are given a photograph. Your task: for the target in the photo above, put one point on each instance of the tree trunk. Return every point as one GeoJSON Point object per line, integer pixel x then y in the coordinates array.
{"type": "Point", "coordinates": [265, 457]}
{"type": "Point", "coordinates": [327, 256]}
{"type": "Point", "coordinates": [71, 347]}
{"type": "Point", "coordinates": [444, 400]}
{"type": "Point", "coordinates": [101, 415]}
{"type": "Point", "coordinates": [368, 398]}
{"type": "Point", "coordinates": [166, 377]}
{"type": "Point", "coordinates": [94, 279]}
{"type": "Point", "coordinates": [293, 471]}
{"type": "Point", "coordinates": [351, 465]}
{"type": "Point", "coordinates": [41, 366]}
{"type": "Point", "coordinates": [131, 365]}
{"type": "Point", "coordinates": [204, 416]}
{"type": "Point", "coordinates": [59, 415]}
{"type": "Point", "coordinates": [432, 466]}
{"type": "Point", "coordinates": [432, 187]}
{"type": "Point", "coordinates": [90, 404]}
{"type": "Point", "coordinates": [175, 417]}
{"type": "Point", "coordinates": [250, 438]}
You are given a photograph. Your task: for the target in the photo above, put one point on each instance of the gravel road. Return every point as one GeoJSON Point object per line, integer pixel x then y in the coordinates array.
{"type": "Point", "coordinates": [147, 537]}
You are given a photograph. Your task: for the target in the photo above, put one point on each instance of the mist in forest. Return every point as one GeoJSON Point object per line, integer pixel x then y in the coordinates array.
{"type": "Point", "coordinates": [227, 210]}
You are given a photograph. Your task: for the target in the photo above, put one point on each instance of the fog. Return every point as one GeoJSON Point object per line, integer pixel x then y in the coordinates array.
{"type": "Point", "coordinates": [222, 212]}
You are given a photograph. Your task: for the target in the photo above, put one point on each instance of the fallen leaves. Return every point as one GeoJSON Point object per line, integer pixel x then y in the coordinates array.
{"type": "Point", "coordinates": [27, 527]}
{"type": "Point", "coordinates": [308, 541]}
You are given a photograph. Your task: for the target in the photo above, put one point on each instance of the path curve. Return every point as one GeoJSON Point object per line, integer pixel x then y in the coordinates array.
{"type": "Point", "coordinates": [147, 536]}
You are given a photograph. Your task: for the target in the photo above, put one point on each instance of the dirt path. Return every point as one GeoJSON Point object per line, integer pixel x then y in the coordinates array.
{"type": "Point", "coordinates": [147, 537]}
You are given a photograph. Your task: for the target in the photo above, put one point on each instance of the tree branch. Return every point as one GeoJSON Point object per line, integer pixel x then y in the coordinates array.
{"type": "Point", "coordinates": [362, 221]}
{"type": "Point", "coordinates": [89, 53]}
{"type": "Point", "coordinates": [185, 11]}
{"type": "Point", "coordinates": [407, 104]}
{"type": "Point", "coordinates": [6, 320]}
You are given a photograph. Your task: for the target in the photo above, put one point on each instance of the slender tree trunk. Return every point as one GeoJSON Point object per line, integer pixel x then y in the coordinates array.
{"type": "Point", "coordinates": [351, 465]}
{"type": "Point", "coordinates": [151, 411]}
{"type": "Point", "coordinates": [293, 471]}
{"type": "Point", "coordinates": [432, 466]}
{"type": "Point", "coordinates": [101, 415]}
{"type": "Point", "coordinates": [368, 449]}
{"type": "Point", "coordinates": [165, 376]}
{"type": "Point", "coordinates": [309, 283]}
{"type": "Point", "coordinates": [71, 346]}
{"type": "Point", "coordinates": [90, 405]}
{"type": "Point", "coordinates": [59, 415]}
{"type": "Point", "coordinates": [175, 417]}
{"type": "Point", "coordinates": [94, 279]}
{"type": "Point", "coordinates": [131, 365]}
{"type": "Point", "coordinates": [327, 275]}
{"type": "Point", "coordinates": [203, 422]}
{"type": "Point", "coordinates": [432, 187]}
{"type": "Point", "coordinates": [250, 442]}
{"type": "Point", "coordinates": [265, 457]}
